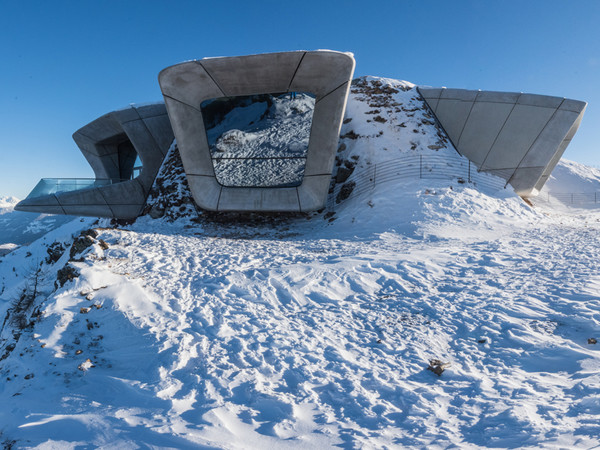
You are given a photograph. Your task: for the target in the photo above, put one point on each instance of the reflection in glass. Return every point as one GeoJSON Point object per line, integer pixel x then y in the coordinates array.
{"type": "Point", "coordinates": [259, 140]}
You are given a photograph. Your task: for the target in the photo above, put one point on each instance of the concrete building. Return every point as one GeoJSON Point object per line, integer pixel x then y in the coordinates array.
{"type": "Point", "coordinates": [518, 137]}
{"type": "Point", "coordinates": [111, 144]}
{"type": "Point", "coordinates": [325, 74]}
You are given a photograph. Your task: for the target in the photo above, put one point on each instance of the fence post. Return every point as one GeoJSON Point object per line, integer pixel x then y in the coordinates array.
{"type": "Point", "coordinates": [595, 193]}
{"type": "Point", "coordinates": [469, 177]}
{"type": "Point", "coordinates": [571, 199]}
{"type": "Point", "coordinates": [420, 166]}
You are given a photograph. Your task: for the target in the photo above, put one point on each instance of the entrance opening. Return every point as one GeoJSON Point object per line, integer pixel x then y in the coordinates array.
{"type": "Point", "coordinates": [259, 140]}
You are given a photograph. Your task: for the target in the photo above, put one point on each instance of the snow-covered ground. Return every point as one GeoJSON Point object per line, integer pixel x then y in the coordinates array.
{"type": "Point", "coordinates": [314, 331]}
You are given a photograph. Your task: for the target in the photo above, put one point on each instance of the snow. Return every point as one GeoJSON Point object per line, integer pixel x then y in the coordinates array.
{"type": "Point", "coordinates": [266, 127]}
{"type": "Point", "coordinates": [315, 331]}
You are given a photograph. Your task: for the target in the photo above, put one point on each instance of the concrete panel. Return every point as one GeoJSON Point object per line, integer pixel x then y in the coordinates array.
{"type": "Point", "coordinates": [46, 209]}
{"type": "Point", "coordinates": [543, 101]}
{"type": "Point", "coordinates": [322, 72]}
{"type": "Point", "coordinates": [102, 128]}
{"type": "Point", "coordinates": [192, 142]}
{"type": "Point", "coordinates": [430, 93]}
{"type": "Point", "coordinates": [161, 130]}
{"type": "Point", "coordinates": [459, 94]}
{"type": "Point", "coordinates": [151, 110]}
{"type": "Point", "coordinates": [521, 180]}
{"type": "Point", "coordinates": [326, 74]}
{"type": "Point", "coordinates": [83, 196]}
{"type": "Point", "coordinates": [253, 74]}
{"type": "Point", "coordinates": [432, 103]}
{"type": "Point", "coordinates": [502, 173]}
{"type": "Point", "coordinates": [89, 210]}
{"type": "Point", "coordinates": [125, 193]}
{"type": "Point", "coordinates": [519, 133]}
{"type": "Point", "coordinates": [573, 105]}
{"type": "Point", "coordinates": [259, 199]}
{"type": "Point", "coordinates": [498, 97]}
{"type": "Point", "coordinates": [127, 211]}
{"type": "Point", "coordinates": [325, 132]}
{"type": "Point", "coordinates": [44, 204]}
{"type": "Point", "coordinates": [559, 151]}
{"type": "Point", "coordinates": [546, 144]}
{"type": "Point", "coordinates": [312, 194]}
{"type": "Point", "coordinates": [189, 83]}
{"type": "Point", "coordinates": [453, 115]}
{"type": "Point", "coordinates": [44, 200]}
{"type": "Point", "coordinates": [149, 152]}
{"type": "Point", "coordinates": [481, 130]}
{"type": "Point", "coordinates": [205, 190]}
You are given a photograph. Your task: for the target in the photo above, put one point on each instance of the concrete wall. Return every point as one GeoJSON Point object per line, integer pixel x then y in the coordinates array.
{"type": "Point", "coordinates": [148, 129]}
{"type": "Point", "coordinates": [519, 137]}
{"type": "Point", "coordinates": [185, 86]}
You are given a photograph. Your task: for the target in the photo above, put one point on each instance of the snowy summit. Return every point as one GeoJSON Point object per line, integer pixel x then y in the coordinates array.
{"type": "Point", "coordinates": [418, 310]}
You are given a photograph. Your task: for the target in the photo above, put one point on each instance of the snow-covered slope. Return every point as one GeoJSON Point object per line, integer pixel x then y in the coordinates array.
{"type": "Point", "coordinates": [311, 331]}
{"type": "Point", "coordinates": [18, 228]}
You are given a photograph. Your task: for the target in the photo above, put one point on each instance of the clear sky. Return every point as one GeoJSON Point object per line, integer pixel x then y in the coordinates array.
{"type": "Point", "coordinates": [65, 63]}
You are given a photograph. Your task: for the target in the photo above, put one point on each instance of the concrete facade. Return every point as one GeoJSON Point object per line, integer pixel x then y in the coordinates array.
{"type": "Point", "coordinates": [111, 144]}
{"type": "Point", "coordinates": [325, 74]}
{"type": "Point", "coordinates": [519, 137]}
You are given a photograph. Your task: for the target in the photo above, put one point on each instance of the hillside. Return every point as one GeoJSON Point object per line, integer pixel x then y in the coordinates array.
{"type": "Point", "coordinates": [189, 329]}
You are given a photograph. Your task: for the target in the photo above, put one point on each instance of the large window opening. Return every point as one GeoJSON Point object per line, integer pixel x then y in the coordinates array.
{"type": "Point", "coordinates": [259, 140]}
{"type": "Point", "coordinates": [127, 163]}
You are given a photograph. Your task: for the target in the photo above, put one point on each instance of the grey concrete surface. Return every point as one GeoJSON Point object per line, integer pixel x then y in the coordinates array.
{"type": "Point", "coordinates": [326, 74]}
{"type": "Point", "coordinates": [148, 129]}
{"type": "Point", "coordinates": [519, 137]}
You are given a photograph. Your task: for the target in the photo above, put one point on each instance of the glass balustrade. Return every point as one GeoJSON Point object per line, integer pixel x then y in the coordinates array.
{"type": "Point", "coordinates": [48, 186]}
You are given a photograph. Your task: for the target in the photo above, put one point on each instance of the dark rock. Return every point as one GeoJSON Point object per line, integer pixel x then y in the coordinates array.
{"type": "Point", "coordinates": [437, 366]}
{"type": "Point", "coordinates": [350, 135]}
{"type": "Point", "coordinates": [55, 251]}
{"type": "Point", "coordinates": [345, 191]}
{"type": "Point", "coordinates": [592, 341]}
{"type": "Point", "coordinates": [67, 273]}
{"type": "Point", "coordinates": [342, 174]}
{"type": "Point", "coordinates": [91, 233]}
{"type": "Point", "coordinates": [157, 211]}
{"type": "Point", "coordinates": [348, 120]}
{"type": "Point", "coordinates": [80, 244]}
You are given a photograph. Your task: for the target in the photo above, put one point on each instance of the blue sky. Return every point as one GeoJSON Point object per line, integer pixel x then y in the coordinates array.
{"type": "Point", "coordinates": [65, 63]}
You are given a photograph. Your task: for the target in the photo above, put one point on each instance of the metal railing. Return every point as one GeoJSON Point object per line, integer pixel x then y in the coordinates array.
{"type": "Point", "coordinates": [432, 167]}
{"type": "Point", "coordinates": [573, 198]}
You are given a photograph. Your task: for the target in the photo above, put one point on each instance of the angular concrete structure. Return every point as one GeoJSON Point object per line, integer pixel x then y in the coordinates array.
{"type": "Point", "coordinates": [111, 145]}
{"type": "Point", "coordinates": [325, 74]}
{"type": "Point", "coordinates": [519, 137]}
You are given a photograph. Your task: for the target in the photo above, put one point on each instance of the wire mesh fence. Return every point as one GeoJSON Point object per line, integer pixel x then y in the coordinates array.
{"type": "Point", "coordinates": [433, 167]}
{"type": "Point", "coordinates": [574, 198]}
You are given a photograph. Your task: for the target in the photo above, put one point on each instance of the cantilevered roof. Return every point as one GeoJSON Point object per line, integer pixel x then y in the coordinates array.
{"type": "Point", "coordinates": [519, 137]}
